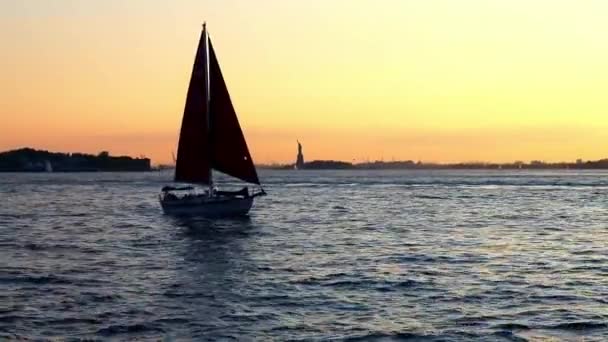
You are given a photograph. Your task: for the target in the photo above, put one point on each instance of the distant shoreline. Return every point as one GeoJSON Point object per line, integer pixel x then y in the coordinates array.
{"type": "Point", "coordinates": [601, 164]}
{"type": "Point", "coordinates": [76, 171]}
{"type": "Point", "coordinates": [263, 167]}
{"type": "Point", "coordinates": [31, 160]}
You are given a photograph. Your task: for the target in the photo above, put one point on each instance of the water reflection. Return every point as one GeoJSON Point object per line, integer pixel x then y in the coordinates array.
{"type": "Point", "coordinates": [215, 229]}
{"type": "Point", "coordinates": [214, 276]}
{"type": "Point", "coordinates": [213, 245]}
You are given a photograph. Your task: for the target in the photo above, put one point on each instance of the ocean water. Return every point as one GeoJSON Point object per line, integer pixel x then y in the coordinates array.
{"type": "Point", "coordinates": [359, 255]}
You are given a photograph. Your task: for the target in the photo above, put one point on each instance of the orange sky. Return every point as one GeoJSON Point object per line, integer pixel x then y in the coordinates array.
{"type": "Point", "coordinates": [437, 80]}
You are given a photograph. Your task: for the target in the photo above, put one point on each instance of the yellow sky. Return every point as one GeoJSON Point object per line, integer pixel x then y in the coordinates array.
{"type": "Point", "coordinates": [465, 80]}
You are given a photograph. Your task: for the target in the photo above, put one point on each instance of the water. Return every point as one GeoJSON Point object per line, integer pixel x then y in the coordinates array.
{"type": "Point", "coordinates": [442, 255]}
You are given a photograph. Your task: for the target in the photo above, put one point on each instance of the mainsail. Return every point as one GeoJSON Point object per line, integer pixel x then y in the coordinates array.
{"type": "Point", "coordinates": [192, 164]}
{"type": "Point", "coordinates": [210, 136]}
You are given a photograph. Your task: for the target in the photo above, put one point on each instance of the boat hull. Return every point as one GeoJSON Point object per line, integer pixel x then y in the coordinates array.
{"type": "Point", "coordinates": [208, 207]}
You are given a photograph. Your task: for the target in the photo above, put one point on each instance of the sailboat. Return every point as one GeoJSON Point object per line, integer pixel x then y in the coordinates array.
{"type": "Point", "coordinates": [210, 139]}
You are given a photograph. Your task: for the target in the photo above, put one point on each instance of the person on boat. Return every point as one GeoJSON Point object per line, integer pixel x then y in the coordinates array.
{"type": "Point", "coordinates": [170, 196]}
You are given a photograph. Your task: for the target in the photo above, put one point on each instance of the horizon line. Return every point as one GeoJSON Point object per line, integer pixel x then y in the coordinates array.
{"type": "Point", "coordinates": [353, 161]}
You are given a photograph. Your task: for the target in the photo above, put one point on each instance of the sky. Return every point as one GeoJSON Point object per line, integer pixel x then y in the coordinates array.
{"type": "Point", "coordinates": [353, 80]}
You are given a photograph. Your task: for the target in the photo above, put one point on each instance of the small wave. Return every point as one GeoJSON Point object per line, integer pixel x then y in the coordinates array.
{"type": "Point", "coordinates": [128, 329]}
{"type": "Point", "coordinates": [171, 321]}
{"type": "Point", "coordinates": [584, 268]}
{"type": "Point", "coordinates": [509, 336]}
{"type": "Point", "coordinates": [171, 294]}
{"type": "Point", "coordinates": [271, 297]}
{"type": "Point", "coordinates": [67, 215]}
{"type": "Point", "coordinates": [474, 320]}
{"type": "Point", "coordinates": [176, 294]}
{"type": "Point", "coordinates": [429, 197]}
{"type": "Point", "coordinates": [12, 318]}
{"type": "Point", "coordinates": [559, 298]}
{"type": "Point", "coordinates": [420, 258]}
{"type": "Point", "coordinates": [577, 326]}
{"type": "Point", "coordinates": [11, 216]}
{"type": "Point", "coordinates": [398, 336]}
{"type": "Point", "coordinates": [73, 320]}
{"type": "Point", "coordinates": [99, 297]}
{"type": "Point", "coordinates": [551, 229]}
{"type": "Point", "coordinates": [253, 318]}
{"type": "Point", "coordinates": [584, 252]}
{"type": "Point", "coordinates": [394, 286]}
{"type": "Point", "coordinates": [347, 283]}
{"type": "Point", "coordinates": [38, 280]}
{"type": "Point", "coordinates": [572, 326]}
{"type": "Point", "coordinates": [49, 280]}
{"type": "Point", "coordinates": [601, 300]}
{"type": "Point", "coordinates": [324, 278]}
{"type": "Point", "coordinates": [383, 286]}
{"type": "Point", "coordinates": [34, 247]}
{"type": "Point", "coordinates": [295, 185]}
{"type": "Point", "coordinates": [12, 337]}
{"type": "Point", "coordinates": [511, 326]}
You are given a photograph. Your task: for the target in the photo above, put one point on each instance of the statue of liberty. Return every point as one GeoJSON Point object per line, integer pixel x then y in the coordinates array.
{"type": "Point", "coordinates": [300, 159]}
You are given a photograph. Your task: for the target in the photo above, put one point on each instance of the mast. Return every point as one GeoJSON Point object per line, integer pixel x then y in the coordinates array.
{"type": "Point", "coordinates": [207, 102]}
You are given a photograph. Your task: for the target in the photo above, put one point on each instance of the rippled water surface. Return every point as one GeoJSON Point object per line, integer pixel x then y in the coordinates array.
{"type": "Point", "coordinates": [442, 255]}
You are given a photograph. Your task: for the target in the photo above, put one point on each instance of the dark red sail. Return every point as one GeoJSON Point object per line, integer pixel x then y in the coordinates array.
{"type": "Point", "coordinates": [193, 157]}
{"type": "Point", "coordinates": [229, 152]}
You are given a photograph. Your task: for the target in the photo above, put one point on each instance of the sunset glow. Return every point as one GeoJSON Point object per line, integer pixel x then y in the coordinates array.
{"type": "Point", "coordinates": [470, 80]}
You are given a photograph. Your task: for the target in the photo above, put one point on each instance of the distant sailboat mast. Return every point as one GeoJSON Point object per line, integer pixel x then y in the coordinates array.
{"type": "Point", "coordinates": [208, 103]}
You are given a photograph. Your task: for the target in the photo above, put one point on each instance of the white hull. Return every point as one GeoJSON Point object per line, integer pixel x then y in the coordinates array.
{"type": "Point", "coordinates": [207, 207]}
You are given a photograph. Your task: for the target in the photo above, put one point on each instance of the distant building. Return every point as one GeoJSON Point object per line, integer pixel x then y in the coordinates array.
{"type": "Point", "coordinates": [300, 159]}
